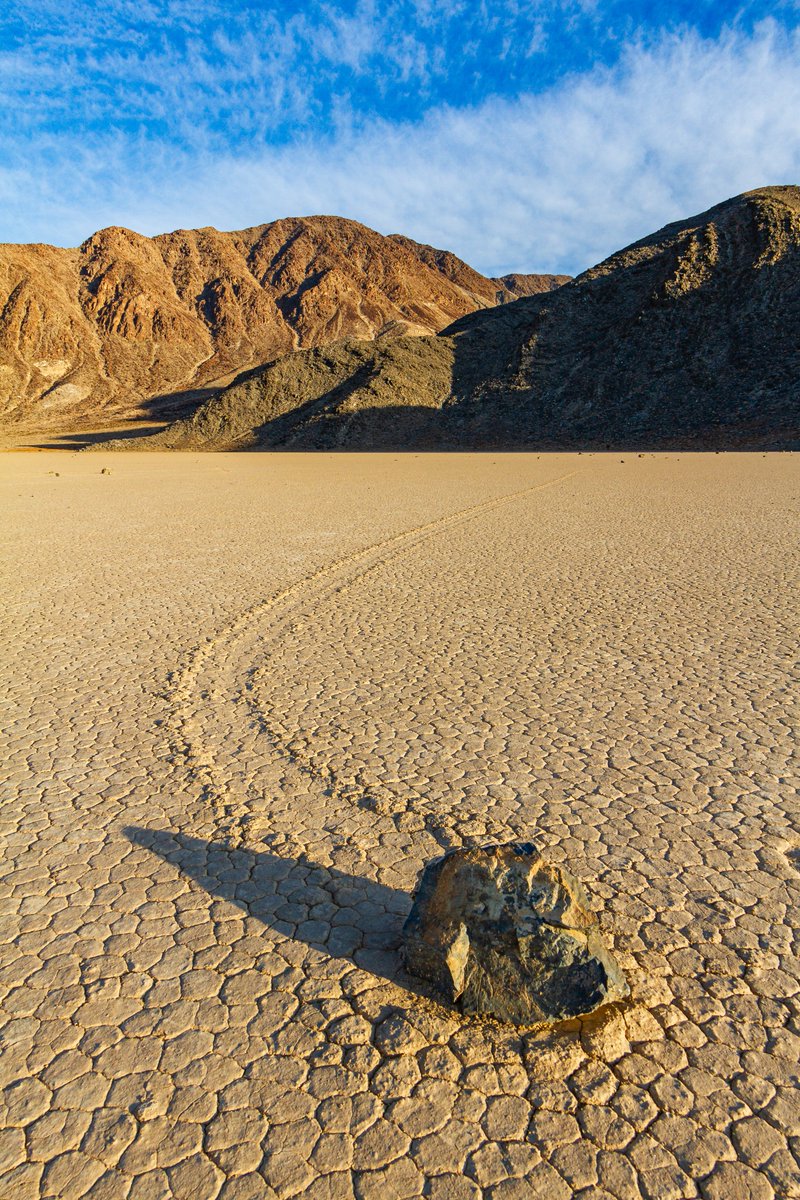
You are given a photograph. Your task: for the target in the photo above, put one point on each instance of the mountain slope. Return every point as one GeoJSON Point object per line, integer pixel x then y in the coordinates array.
{"type": "Point", "coordinates": [688, 337]}
{"type": "Point", "coordinates": [494, 290]}
{"type": "Point", "coordinates": [124, 319]}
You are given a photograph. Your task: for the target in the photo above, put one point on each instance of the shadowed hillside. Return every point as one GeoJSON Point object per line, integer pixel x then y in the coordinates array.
{"type": "Point", "coordinates": [688, 337]}
{"type": "Point", "coordinates": [119, 325]}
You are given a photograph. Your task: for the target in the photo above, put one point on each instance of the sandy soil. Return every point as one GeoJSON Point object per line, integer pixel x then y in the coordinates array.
{"type": "Point", "coordinates": [249, 696]}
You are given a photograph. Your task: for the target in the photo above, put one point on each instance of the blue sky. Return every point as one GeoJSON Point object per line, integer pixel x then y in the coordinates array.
{"type": "Point", "coordinates": [520, 135]}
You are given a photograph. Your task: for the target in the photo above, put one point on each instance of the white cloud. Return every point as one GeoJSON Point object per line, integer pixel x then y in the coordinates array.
{"type": "Point", "coordinates": [180, 61]}
{"type": "Point", "coordinates": [549, 182]}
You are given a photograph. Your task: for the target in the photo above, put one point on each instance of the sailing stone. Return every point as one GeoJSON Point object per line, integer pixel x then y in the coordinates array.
{"type": "Point", "coordinates": [499, 931]}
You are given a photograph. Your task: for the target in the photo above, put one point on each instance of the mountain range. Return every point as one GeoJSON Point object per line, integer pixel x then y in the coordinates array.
{"type": "Point", "coordinates": [687, 338]}
{"type": "Point", "coordinates": [125, 324]}
{"type": "Point", "coordinates": [318, 333]}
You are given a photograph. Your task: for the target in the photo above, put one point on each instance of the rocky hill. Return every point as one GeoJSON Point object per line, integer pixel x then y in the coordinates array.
{"type": "Point", "coordinates": [494, 290]}
{"type": "Point", "coordinates": [689, 337]}
{"type": "Point", "coordinates": [127, 324]}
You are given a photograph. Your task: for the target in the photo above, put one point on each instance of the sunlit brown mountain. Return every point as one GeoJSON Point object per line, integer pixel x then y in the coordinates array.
{"type": "Point", "coordinates": [689, 337]}
{"type": "Point", "coordinates": [107, 329]}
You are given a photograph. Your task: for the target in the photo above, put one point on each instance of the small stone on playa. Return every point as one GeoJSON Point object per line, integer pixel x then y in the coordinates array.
{"type": "Point", "coordinates": [499, 931]}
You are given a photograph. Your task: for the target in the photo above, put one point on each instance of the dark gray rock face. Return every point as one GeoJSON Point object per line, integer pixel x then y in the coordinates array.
{"type": "Point", "coordinates": [499, 931]}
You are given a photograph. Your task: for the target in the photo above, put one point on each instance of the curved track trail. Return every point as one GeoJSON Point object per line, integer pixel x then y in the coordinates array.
{"type": "Point", "coordinates": [217, 680]}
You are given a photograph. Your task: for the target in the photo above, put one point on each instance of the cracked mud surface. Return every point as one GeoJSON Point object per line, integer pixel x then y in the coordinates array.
{"type": "Point", "coordinates": [249, 696]}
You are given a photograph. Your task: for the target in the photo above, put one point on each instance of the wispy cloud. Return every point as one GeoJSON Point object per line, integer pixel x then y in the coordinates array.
{"type": "Point", "coordinates": [224, 71]}
{"type": "Point", "coordinates": [547, 181]}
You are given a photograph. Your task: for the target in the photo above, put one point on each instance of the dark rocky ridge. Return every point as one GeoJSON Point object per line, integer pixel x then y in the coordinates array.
{"type": "Point", "coordinates": [689, 337]}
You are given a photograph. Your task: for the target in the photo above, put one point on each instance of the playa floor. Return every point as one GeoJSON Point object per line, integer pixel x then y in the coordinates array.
{"type": "Point", "coordinates": [247, 697]}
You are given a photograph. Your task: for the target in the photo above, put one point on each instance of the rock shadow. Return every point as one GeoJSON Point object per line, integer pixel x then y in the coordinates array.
{"type": "Point", "coordinates": [79, 441]}
{"type": "Point", "coordinates": [342, 915]}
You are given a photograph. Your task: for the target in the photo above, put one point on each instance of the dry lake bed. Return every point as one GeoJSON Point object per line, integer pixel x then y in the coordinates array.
{"type": "Point", "coordinates": [247, 697]}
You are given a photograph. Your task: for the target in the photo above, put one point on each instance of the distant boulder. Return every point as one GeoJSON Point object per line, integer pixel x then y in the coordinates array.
{"type": "Point", "coordinates": [499, 931]}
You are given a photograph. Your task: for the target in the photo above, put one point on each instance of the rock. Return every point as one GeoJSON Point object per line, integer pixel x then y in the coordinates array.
{"type": "Point", "coordinates": [499, 931]}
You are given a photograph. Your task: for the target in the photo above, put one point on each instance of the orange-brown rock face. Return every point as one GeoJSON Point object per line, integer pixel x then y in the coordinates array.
{"type": "Point", "coordinates": [123, 320]}
{"type": "Point", "coordinates": [492, 291]}
{"type": "Point", "coordinates": [530, 285]}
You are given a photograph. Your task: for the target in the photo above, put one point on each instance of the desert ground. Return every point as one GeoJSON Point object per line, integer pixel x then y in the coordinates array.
{"type": "Point", "coordinates": [247, 697]}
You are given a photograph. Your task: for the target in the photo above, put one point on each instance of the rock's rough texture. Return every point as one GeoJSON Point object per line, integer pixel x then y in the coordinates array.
{"type": "Point", "coordinates": [501, 932]}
